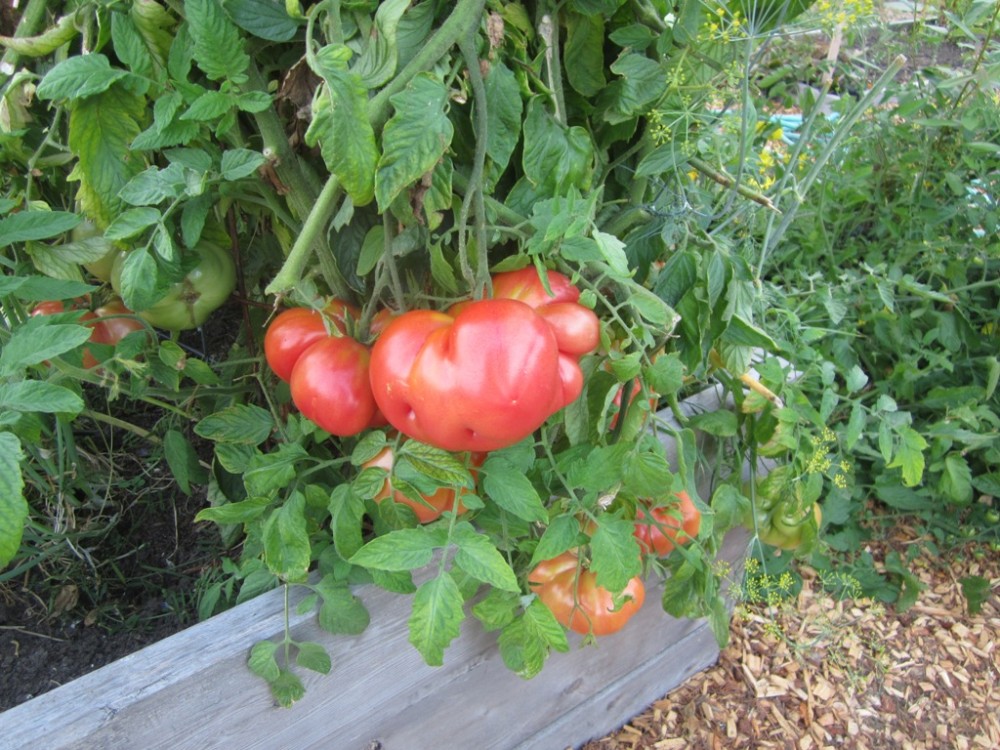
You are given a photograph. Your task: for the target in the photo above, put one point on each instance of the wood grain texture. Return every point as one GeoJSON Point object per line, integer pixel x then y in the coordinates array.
{"type": "Point", "coordinates": [193, 691]}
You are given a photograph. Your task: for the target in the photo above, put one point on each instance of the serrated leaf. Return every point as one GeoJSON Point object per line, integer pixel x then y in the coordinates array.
{"type": "Point", "coordinates": [28, 226]}
{"type": "Point", "coordinates": [287, 688]}
{"type": "Point", "coordinates": [718, 423]}
{"type": "Point", "coordinates": [377, 62]}
{"type": "Point", "coordinates": [13, 506]}
{"type": "Point", "coordinates": [39, 396]}
{"type": "Point", "coordinates": [269, 472]}
{"type": "Point", "coordinates": [504, 109]}
{"type": "Point", "coordinates": [341, 612]}
{"type": "Point", "coordinates": [101, 130]}
{"type": "Point", "coordinates": [218, 49]}
{"type": "Point", "coordinates": [988, 484]}
{"type": "Point", "coordinates": [313, 656]}
{"type": "Point", "coordinates": [139, 277]}
{"type": "Point", "coordinates": [240, 423]}
{"type": "Point", "coordinates": [238, 163]}
{"type": "Point", "coordinates": [555, 157]}
{"type": "Point", "coordinates": [266, 19]}
{"type": "Point", "coordinates": [561, 534]}
{"type": "Point", "coordinates": [33, 344]}
{"type": "Point", "coordinates": [511, 490]}
{"type": "Point", "coordinates": [583, 53]}
{"type": "Point", "coordinates": [479, 557]}
{"type": "Point", "coordinates": [262, 661]}
{"type": "Point", "coordinates": [183, 461]}
{"type": "Point", "coordinates": [648, 474]}
{"type": "Point", "coordinates": [211, 105]}
{"type": "Point", "coordinates": [616, 557]}
{"type": "Point", "coordinates": [240, 512]}
{"type": "Point", "coordinates": [130, 46]}
{"type": "Point", "coordinates": [79, 77]}
{"type": "Point", "coordinates": [414, 138]}
{"type": "Point", "coordinates": [956, 479]}
{"type": "Point", "coordinates": [341, 128]}
{"type": "Point", "coordinates": [436, 617]}
{"type": "Point", "coordinates": [132, 222]}
{"type": "Point", "coordinates": [399, 550]}
{"type": "Point", "coordinates": [285, 535]}
{"type": "Point", "coordinates": [193, 217]}
{"type": "Point", "coordinates": [909, 456]}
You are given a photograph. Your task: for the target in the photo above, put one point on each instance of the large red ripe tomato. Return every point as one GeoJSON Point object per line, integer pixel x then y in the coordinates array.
{"type": "Point", "coordinates": [479, 381]}
{"type": "Point", "coordinates": [577, 328]}
{"type": "Point", "coordinates": [667, 526]}
{"type": "Point", "coordinates": [295, 330]}
{"type": "Point", "coordinates": [330, 386]}
{"type": "Point", "coordinates": [433, 505]}
{"type": "Point", "coordinates": [571, 592]}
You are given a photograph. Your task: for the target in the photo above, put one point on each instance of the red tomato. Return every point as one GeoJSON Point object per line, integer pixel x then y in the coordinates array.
{"type": "Point", "coordinates": [433, 505]}
{"type": "Point", "coordinates": [295, 330]}
{"type": "Point", "coordinates": [578, 603]}
{"type": "Point", "coordinates": [109, 325]}
{"type": "Point", "coordinates": [330, 386]}
{"type": "Point", "coordinates": [114, 322]}
{"type": "Point", "coordinates": [577, 329]}
{"type": "Point", "coordinates": [665, 529]}
{"type": "Point", "coordinates": [479, 381]}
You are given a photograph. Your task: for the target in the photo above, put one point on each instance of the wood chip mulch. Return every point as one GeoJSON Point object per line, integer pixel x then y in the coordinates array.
{"type": "Point", "coordinates": [816, 673]}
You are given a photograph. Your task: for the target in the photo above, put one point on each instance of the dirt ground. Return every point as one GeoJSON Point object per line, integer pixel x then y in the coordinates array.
{"type": "Point", "coordinates": [816, 673]}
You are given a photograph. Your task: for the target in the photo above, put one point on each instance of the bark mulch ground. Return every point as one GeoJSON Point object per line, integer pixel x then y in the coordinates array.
{"type": "Point", "coordinates": [816, 673]}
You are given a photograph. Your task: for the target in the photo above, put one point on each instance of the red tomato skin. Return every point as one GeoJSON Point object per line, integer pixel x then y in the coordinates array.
{"type": "Point", "coordinates": [571, 592]}
{"type": "Point", "coordinates": [294, 330]}
{"type": "Point", "coordinates": [665, 530]}
{"type": "Point", "coordinates": [330, 386]}
{"type": "Point", "coordinates": [479, 381]}
{"type": "Point", "coordinates": [114, 322]}
{"type": "Point", "coordinates": [526, 286]}
{"type": "Point", "coordinates": [577, 329]}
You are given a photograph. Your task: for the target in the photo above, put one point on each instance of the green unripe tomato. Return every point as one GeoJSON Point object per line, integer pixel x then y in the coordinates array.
{"type": "Point", "coordinates": [86, 232]}
{"type": "Point", "coordinates": [189, 302]}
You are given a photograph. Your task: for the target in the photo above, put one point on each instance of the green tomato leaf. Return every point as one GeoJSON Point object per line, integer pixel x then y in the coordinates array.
{"type": "Point", "coordinates": [33, 343]}
{"type": "Point", "coordinates": [341, 128]}
{"type": "Point", "coordinates": [39, 396]}
{"type": "Point", "coordinates": [263, 661]}
{"type": "Point", "coordinates": [583, 53]}
{"type": "Point", "coordinates": [269, 472]}
{"type": "Point", "coordinates": [242, 512]}
{"type": "Point", "coordinates": [341, 613]}
{"type": "Point", "coordinates": [436, 617]}
{"type": "Point", "coordinates": [526, 641]}
{"type": "Point", "coordinates": [101, 130]}
{"type": "Point", "coordinates": [240, 423]}
{"type": "Point", "coordinates": [183, 461]}
{"type": "Point", "coordinates": [909, 456]}
{"type": "Point", "coordinates": [402, 549]}
{"type": "Point", "coordinates": [130, 46]}
{"type": "Point", "coordinates": [555, 157]}
{"type": "Point", "coordinates": [218, 49]}
{"type": "Point", "coordinates": [313, 656]}
{"type": "Point", "coordinates": [616, 557]}
{"type": "Point", "coordinates": [562, 533]}
{"type": "Point", "coordinates": [956, 479]}
{"type": "Point", "coordinates": [414, 138]}
{"type": "Point", "coordinates": [511, 490]}
{"type": "Point", "coordinates": [131, 222]}
{"type": "Point", "coordinates": [27, 226]}
{"type": "Point", "coordinates": [975, 589]}
{"type": "Point", "coordinates": [346, 512]}
{"type": "Point", "coordinates": [287, 551]}
{"type": "Point", "coordinates": [266, 19]}
{"type": "Point", "coordinates": [287, 688]}
{"type": "Point", "coordinates": [13, 506]}
{"type": "Point", "coordinates": [79, 77]}
{"type": "Point", "coordinates": [503, 115]}
{"type": "Point", "coordinates": [377, 62]}
{"type": "Point", "coordinates": [238, 163]}
{"type": "Point", "coordinates": [478, 557]}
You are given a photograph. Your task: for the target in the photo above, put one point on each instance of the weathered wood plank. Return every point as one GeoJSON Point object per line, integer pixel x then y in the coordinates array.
{"type": "Point", "coordinates": [193, 691]}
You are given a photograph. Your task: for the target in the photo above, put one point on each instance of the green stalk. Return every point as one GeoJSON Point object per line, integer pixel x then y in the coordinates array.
{"type": "Point", "coordinates": [31, 21]}
{"type": "Point", "coordinates": [464, 17]}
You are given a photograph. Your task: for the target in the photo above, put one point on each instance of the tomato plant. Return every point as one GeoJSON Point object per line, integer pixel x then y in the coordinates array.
{"type": "Point", "coordinates": [109, 323]}
{"type": "Point", "coordinates": [659, 527]}
{"type": "Point", "coordinates": [188, 302]}
{"type": "Point", "coordinates": [570, 591]}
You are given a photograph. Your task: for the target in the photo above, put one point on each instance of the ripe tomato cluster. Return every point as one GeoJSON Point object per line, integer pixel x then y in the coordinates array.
{"type": "Point", "coordinates": [478, 377]}
{"type": "Point", "coordinates": [110, 323]}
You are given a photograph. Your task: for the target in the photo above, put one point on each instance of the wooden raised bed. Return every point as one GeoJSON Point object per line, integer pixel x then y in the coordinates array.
{"type": "Point", "coordinates": [193, 690]}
